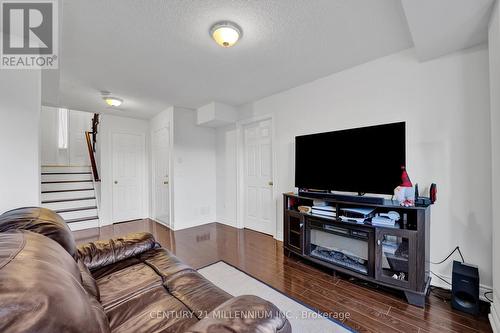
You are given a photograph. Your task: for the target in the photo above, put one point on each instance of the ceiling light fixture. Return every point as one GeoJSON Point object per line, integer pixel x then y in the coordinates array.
{"type": "Point", "coordinates": [226, 33]}
{"type": "Point", "coordinates": [113, 101]}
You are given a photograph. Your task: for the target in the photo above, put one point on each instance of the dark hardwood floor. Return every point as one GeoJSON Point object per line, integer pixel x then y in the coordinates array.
{"type": "Point", "coordinates": [259, 255]}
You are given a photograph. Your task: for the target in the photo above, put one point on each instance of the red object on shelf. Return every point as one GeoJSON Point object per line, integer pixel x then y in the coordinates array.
{"type": "Point", "coordinates": [433, 193]}
{"type": "Point", "coordinates": [405, 179]}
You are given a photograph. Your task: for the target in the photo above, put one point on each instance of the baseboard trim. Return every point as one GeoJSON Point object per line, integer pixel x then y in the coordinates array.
{"type": "Point", "coordinates": [165, 224]}
{"type": "Point", "coordinates": [494, 315]}
{"type": "Point", "coordinates": [228, 222]}
{"type": "Point", "coordinates": [279, 237]}
{"type": "Point", "coordinates": [494, 319]}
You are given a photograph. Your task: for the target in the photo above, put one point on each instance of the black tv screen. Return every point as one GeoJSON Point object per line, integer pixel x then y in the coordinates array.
{"type": "Point", "coordinates": [365, 160]}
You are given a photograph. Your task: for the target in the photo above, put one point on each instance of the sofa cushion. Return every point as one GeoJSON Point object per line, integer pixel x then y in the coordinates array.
{"type": "Point", "coordinates": [41, 221]}
{"type": "Point", "coordinates": [119, 286]}
{"type": "Point", "coordinates": [134, 297]}
{"type": "Point", "coordinates": [154, 310]}
{"type": "Point", "coordinates": [197, 293]}
{"type": "Point", "coordinates": [41, 288]}
{"type": "Point", "coordinates": [164, 262]}
{"type": "Point", "coordinates": [244, 314]}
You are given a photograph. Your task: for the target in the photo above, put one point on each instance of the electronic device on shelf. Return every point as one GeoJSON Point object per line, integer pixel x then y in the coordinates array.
{"type": "Point", "coordinates": [357, 214]}
{"type": "Point", "coordinates": [358, 220]}
{"type": "Point", "coordinates": [381, 221]}
{"type": "Point", "coordinates": [391, 215]}
{"type": "Point", "coordinates": [387, 220]}
{"type": "Point", "coordinates": [328, 211]}
{"type": "Point", "coordinates": [424, 201]}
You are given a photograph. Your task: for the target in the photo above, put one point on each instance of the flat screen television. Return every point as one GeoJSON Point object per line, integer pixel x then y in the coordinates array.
{"type": "Point", "coordinates": [363, 160]}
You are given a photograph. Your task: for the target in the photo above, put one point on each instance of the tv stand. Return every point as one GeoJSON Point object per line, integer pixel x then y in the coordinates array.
{"type": "Point", "coordinates": [342, 197]}
{"type": "Point", "coordinates": [391, 257]}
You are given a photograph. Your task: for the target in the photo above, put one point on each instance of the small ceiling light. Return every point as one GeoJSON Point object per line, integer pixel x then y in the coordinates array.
{"type": "Point", "coordinates": [226, 33]}
{"type": "Point", "coordinates": [113, 101]}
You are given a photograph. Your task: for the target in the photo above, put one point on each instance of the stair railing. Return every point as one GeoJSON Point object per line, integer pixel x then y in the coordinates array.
{"type": "Point", "coordinates": [91, 143]}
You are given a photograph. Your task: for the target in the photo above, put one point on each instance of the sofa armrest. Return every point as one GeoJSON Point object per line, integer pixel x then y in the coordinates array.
{"type": "Point", "coordinates": [243, 314]}
{"type": "Point", "coordinates": [102, 253]}
{"type": "Point", "coordinates": [42, 221]}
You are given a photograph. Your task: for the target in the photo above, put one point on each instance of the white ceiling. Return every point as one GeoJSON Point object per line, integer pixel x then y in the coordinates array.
{"type": "Point", "coordinates": [439, 27]}
{"type": "Point", "coordinates": [158, 53]}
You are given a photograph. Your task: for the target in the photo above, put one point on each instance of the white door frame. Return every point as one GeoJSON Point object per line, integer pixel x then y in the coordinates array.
{"type": "Point", "coordinates": [240, 169]}
{"type": "Point", "coordinates": [143, 176]}
{"type": "Point", "coordinates": [170, 178]}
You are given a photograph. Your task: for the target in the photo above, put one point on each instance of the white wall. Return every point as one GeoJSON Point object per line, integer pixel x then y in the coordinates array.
{"type": "Point", "coordinates": [50, 154]}
{"type": "Point", "coordinates": [445, 103]}
{"type": "Point", "coordinates": [494, 50]}
{"type": "Point", "coordinates": [77, 151]}
{"type": "Point", "coordinates": [20, 102]}
{"type": "Point", "coordinates": [194, 188]}
{"type": "Point", "coordinates": [107, 126]}
{"type": "Point", "coordinates": [79, 123]}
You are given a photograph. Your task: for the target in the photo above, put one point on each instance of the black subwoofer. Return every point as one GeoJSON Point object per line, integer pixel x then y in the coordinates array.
{"type": "Point", "coordinates": [465, 288]}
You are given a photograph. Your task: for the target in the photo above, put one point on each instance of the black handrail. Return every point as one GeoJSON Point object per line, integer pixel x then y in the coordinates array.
{"type": "Point", "coordinates": [95, 124]}
{"type": "Point", "coordinates": [92, 157]}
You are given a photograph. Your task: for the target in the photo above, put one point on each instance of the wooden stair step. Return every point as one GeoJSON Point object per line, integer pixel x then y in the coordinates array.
{"type": "Point", "coordinates": [75, 209]}
{"type": "Point", "coordinates": [73, 190]}
{"type": "Point", "coordinates": [81, 219]}
{"type": "Point", "coordinates": [65, 200]}
{"type": "Point", "coordinates": [66, 181]}
{"type": "Point", "coordinates": [66, 173]}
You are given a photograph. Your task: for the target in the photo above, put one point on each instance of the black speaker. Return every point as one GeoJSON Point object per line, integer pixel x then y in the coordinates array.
{"type": "Point", "coordinates": [465, 288]}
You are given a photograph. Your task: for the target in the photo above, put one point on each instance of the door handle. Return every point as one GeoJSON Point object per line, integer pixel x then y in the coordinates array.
{"type": "Point", "coordinates": [270, 183]}
{"type": "Point", "coordinates": [116, 182]}
{"type": "Point", "coordinates": [378, 242]}
{"type": "Point", "coordinates": [165, 182]}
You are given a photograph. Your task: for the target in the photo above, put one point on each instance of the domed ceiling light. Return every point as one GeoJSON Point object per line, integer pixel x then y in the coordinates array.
{"type": "Point", "coordinates": [113, 101]}
{"type": "Point", "coordinates": [110, 99]}
{"type": "Point", "coordinates": [226, 33]}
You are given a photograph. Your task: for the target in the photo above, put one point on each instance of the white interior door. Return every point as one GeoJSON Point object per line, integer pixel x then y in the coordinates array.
{"type": "Point", "coordinates": [259, 212]}
{"type": "Point", "coordinates": [161, 171]}
{"type": "Point", "coordinates": [128, 176]}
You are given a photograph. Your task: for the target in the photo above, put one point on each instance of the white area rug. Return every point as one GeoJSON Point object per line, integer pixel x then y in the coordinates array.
{"type": "Point", "coordinates": [303, 319]}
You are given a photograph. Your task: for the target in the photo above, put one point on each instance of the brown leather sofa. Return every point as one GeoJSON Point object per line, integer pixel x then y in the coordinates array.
{"type": "Point", "coordinates": [127, 284]}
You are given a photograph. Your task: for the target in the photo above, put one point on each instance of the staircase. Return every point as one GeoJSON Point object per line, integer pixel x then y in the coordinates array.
{"type": "Point", "coordinates": [70, 192]}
